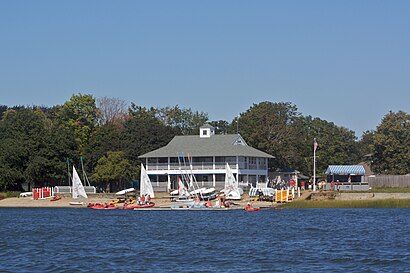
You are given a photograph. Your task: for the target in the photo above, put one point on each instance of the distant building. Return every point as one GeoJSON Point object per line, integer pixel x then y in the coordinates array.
{"type": "Point", "coordinates": [206, 156]}
{"type": "Point", "coordinates": [345, 173]}
{"type": "Point", "coordinates": [349, 177]}
{"type": "Point", "coordinates": [288, 174]}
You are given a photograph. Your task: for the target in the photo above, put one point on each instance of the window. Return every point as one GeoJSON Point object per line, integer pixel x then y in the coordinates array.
{"type": "Point", "coordinates": [204, 132]}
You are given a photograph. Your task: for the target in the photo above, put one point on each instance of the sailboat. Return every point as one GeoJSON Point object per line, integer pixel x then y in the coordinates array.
{"type": "Point", "coordinates": [145, 190]}
{"type": "Point", "coordinates": [78, 190]}
{"type": "Point", "coordinates": [145, 184]}
{"type": "Point", "coordinates": [183, 194]}
{"type": "Point", "coordinates": [231, 189]}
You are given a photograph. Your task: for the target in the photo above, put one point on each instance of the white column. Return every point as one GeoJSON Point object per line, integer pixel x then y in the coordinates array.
{"type": "Point", "coordinates": [169, 182]}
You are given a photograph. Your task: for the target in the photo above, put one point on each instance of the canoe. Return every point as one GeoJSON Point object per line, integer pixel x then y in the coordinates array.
{"type": "Point", "coordinates": [55, 198]}
{"type": "Point", "coordinates": [76, 203]}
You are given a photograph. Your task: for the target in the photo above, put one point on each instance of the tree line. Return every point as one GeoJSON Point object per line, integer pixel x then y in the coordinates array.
{"type": "Point", "coordinates": [37, 142]}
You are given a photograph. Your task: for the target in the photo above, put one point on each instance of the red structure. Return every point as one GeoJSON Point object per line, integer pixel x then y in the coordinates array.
{"type": "Point", "coordinates": [41, 193]}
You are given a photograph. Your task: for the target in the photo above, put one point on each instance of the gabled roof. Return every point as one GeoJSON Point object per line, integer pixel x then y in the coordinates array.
{"type": "Point", "coordinates": [346, 169]}
{"type": "Point", "coordinates": [216, 145]}
{"type": "Point", "coordinates": [207, 125]}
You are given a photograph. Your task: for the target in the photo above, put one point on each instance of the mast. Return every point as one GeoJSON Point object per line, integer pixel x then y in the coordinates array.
{"type": "Point", "coordinates": [68, 172]}
{"type": "Point", "coordinates": [85, 178]}
{"type": "Point", "coordinates": [194, 178]}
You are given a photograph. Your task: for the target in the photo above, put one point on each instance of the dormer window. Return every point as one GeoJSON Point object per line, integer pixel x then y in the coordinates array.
{"type": "Point", "coordinates": [239, 141]}
{"type": "Point", "coordinates": [204, 132]}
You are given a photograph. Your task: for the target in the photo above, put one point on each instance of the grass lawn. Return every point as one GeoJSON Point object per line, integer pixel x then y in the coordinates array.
{"type": "Point", "coordinates": [378, 203]}
{"type": "Point", "coordinates": [390, 190]}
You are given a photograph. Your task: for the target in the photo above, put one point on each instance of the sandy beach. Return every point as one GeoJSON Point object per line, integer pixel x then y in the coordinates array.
{"type": "Point", "coordinates": [161, 201]}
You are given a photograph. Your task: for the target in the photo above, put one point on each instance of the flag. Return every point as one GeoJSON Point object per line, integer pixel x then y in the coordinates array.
{"type": "Point", "coordinates": [314, 145]}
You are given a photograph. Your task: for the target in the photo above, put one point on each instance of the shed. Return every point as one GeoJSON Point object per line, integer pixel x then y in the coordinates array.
{"type": "Point", "coordinates": [345, 173]}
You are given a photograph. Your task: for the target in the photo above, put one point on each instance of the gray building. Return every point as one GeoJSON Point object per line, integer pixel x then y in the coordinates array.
{"type": "Point", "coordinates": [205, 155]}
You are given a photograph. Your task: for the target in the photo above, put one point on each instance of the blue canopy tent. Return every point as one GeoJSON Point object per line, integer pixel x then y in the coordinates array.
{"type": "Point", "coordinates": [351, 174]}
{"type": "Point", "coordinates": [345, 169]}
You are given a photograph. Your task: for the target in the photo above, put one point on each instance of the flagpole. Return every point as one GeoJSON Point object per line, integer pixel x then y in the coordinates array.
{"type": "Point", "coordinates": [314, 165]}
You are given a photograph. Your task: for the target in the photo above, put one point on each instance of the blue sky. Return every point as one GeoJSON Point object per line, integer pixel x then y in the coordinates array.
{"type": "Point", "coordinates": [347, 62]}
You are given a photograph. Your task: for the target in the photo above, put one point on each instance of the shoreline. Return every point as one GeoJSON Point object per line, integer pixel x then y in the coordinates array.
{"type": "Point", "coordinates": [160, 203]}
{"type": "Point", "coordinates": [163, 203]}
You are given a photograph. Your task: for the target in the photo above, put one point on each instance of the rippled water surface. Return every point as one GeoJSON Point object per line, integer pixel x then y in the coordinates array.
{"type": "Point", "coordinates": [311, 240]}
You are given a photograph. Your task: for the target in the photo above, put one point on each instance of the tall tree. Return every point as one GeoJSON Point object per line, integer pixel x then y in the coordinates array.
{"type": "Point", "coordinates": [3, 108]}
{"type": "Point", "coordinates": [391, 144]}
{"type": "Point", "coordinates": [81, 114]}
{"type": "Point", "coordinates": [33, 149]}
{"type": "Point", "coordinates": [366, 145]}
{"type": "Point", "coordinates": [105, 138]}
{"type": "Point", "coordinates": [184, 119]}
{"type": "Point", "coordinates": [113, 171]}
{"type": "Point", "coordinates": [143, 132]}
{"type": "Point", "coordinates": [268, 126]}
{"type": "Point", "coordinates": [112, 110]}
{"type": "Point", "coordinates": [221, 126]}
{"type": "Point", "coordinates": [336, 145]}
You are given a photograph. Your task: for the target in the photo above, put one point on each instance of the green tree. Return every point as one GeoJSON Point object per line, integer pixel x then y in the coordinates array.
{"type": "Point", "coordinates": [366, 145]}
{"type": "Point", "coordinates": [184, 119]}
{"type": "Point", "coordinates": [3, 108]}
{"type": "Point", "coordinates": [267, 126]}
{"type": "Point", "coordinates": [81, 114]}
{"type": "Point", "coordinates": [336, 145]}
{"type": "Point", "coordinates": [113, 171]}
{"type": "Point", "coordinates": [391, 149]}
{"type": "Point", "coordinates": [221, 126]}
{"type": "Point", "coordinates": [32, 149]}
{"type": "Point", "coordinates": [105, 138]}
{"type": "Point", "coordinates": [144, 132]}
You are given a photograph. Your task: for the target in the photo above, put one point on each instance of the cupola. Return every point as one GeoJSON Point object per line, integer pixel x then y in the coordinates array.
{"type": "Point", "coordinates": [206, 131]}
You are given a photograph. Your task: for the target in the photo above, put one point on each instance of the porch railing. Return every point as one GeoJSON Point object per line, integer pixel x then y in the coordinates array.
{"type": "Point", "coordinates": [195, 166]}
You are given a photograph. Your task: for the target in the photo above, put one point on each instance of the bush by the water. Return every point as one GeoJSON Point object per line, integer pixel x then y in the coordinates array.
{"type": "Point", "coordinates": [9, 194]}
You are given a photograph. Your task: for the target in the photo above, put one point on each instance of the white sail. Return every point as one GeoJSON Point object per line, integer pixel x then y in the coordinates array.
{"type": "Point", "coordinates": [78, 188]}
{"type": "Point", "coordinates": [182, 190]}
{"type": "Point", "coordinates": [231, 188]}
{"type": "Point", "coordinates": [145, 184]}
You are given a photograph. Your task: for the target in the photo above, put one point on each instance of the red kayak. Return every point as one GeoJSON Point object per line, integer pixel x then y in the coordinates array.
{"type": "Point", "coordinates": [139, 206]}
{"type": "Point", "coordinates": [101, 206]}
{"type": "Point", "coordinates": [252, 209]}
{"type": "Point", "coordinates": [56, 198]}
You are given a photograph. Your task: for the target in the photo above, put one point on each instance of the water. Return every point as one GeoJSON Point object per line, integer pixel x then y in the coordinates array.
{"type": "Point", "coordinates": [311, 240]}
